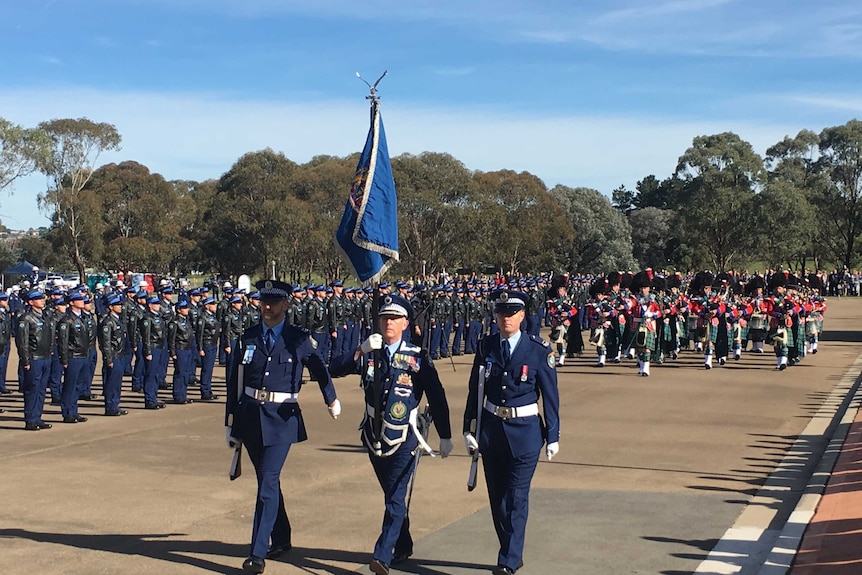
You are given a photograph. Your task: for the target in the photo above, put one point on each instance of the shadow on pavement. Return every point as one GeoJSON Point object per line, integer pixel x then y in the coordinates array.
{"type": "Point", "coordinates": [167, 547]}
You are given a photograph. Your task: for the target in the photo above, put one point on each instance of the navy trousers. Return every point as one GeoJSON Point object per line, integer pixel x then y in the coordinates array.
{"type": "Point", "coordinates": [112, 383]}
{"type": "Point", "coordinates": [35, 384]}
{"type": "Point", "coordinates": [393, 474]}
{"type": "Point", "coordinates": [508, 479]}
{"type": "Point", "coordinates": [4, 363]}
{"type": "Point", "coordinates": [207, 366]}
{"type": "Point", "coordinates": [162, 374]}
{"type": "Point", "coordinates": [74, 380]}
{"type": "Point", "coordinates": [474, 328]}
{"type": "Point", "coordinates": [322, 339]}
{"type": "Point", "coordinates": [458, 339]}
{"type": "Point", "coordinates": [184, 371]}
{"type": "Point", "coordinates": [138, 371]}
{"type": "Point", "coordinates": [270, 518]}
{"type": "Point", "coordinates": [128, 354]}
{"type": "Point", "coordinates": [55, 377]}
{"type": "Point", "coordinates": [151, 374]}
{"type": "Point", "coordinates": [444, 339]}
{"type": "Point", "coordinates": [436, 337]}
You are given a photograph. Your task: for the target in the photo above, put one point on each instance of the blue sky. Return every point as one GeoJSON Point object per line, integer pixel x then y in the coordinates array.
{"type": "Point", "coordinates": [583, 93]}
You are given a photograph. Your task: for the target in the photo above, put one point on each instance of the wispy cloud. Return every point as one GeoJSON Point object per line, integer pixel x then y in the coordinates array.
{"type": "Point", "coordinates": [650, 11]}
{"type": "Point", "coordinates": [52, 60]}
{"type": "Point", "coordinates": [849, 102]}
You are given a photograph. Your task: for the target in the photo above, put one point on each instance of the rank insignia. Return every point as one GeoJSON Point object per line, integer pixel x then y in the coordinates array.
{"type": "Point", "coordinates": [398, 410]}
{"type": "Point", "coordinates": [404, 380]}
{"type": "Point", "coordinates": [551, 362]}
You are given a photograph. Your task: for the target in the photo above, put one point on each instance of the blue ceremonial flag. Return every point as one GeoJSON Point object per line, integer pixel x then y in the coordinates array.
{"type": "Point", "coordinates": [368, 233]}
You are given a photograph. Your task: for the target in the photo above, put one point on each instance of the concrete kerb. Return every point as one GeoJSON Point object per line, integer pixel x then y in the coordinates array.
{"type": "Point", "coordinates": [784, 551]}
{"type": "Point", "coordinates": [749, 547]}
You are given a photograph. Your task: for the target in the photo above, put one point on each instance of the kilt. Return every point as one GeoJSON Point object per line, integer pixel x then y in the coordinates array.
{"type": "Point", "coordinates": [644, 338]}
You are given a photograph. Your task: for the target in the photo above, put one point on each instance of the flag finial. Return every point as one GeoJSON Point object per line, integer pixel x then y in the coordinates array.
{"type": "Point", "coordinates": [373, 88]}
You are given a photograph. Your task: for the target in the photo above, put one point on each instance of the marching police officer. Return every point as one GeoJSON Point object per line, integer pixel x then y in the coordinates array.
{"type": "Point", "coordinates": [34, 339]}
{"type": "Point", "coordinates": [511, 372]}
{"type": "Point", "coordinates": [112, 342]}
{"type": "Point", "coordinates": [262, 412]}
{"type": "Point", "coordinates": [406, 374]}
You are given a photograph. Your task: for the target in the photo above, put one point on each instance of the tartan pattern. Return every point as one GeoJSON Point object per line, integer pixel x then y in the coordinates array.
{"type": "Point", "coordinates": [649, 342]}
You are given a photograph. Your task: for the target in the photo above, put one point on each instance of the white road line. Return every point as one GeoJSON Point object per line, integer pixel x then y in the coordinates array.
{"type": "Point", "coordinates": [748, 547]}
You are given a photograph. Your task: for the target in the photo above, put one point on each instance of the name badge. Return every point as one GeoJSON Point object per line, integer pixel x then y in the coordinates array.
{"type": "Point", "coordinates": [249, 353]}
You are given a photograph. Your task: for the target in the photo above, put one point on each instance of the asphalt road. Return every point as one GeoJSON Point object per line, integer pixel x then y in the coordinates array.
{"type": "Point", "coordinates": [652, 473]}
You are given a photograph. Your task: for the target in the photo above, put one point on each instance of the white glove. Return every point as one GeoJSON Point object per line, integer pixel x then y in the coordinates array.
{"type": "Point", "coordinates": [232, 442]}
{"type": "Point", "coordinates": [335, 409]}
{"type": "Point", "coordinates": [374, 341]}
{"type": "Point", "coordinates": [552, 449]}
{"type": "Point", "coordinates": [471, 443]}
{"type": "Point", "coordinates": [445, 448]}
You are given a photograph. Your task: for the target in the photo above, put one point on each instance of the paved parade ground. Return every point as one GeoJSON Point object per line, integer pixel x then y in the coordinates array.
{"type": "Point", "coordinates": [653, 475]}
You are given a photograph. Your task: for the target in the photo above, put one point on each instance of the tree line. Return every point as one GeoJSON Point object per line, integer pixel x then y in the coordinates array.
{"type": "Point", "coordinates": [723, 207]}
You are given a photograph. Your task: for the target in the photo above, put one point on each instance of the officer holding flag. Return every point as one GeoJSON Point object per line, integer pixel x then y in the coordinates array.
{"type": "Point", "coordinates": [406, 374]}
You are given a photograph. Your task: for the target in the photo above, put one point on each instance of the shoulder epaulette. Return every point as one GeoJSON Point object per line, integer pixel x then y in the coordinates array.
{"type": "Point", "coordinates": [539, 340]}
{"type": "Point", "coordinates": [410, 347]}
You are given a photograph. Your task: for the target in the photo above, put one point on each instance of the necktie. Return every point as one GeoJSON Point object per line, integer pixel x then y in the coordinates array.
{"type": "Point", "coordinates": [506, 351]}
{"type": "Point", "coordinates": [269, 340]}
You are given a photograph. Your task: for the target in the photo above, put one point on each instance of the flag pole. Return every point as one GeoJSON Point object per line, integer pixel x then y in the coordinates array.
{"type": "Point", "coordinates": [377, 423]}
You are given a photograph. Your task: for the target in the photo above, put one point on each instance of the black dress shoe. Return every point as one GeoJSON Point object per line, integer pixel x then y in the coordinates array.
{"type": "Point", "coordinates": [182, 401]}
{"type": "Point", "coordinates": [5, 392]}
{"type": "Point", "coordinates": [253, 565]}
{"type": "Point", "coordinates": [277, 551]}
{"type": "Point", "coordinates": [400, 557]}
{"type": "Point", "coordinates": [157, 405]}
{"type": "Point", "coordinates": [32, 426]}
{"type": "Point", "coordinates": [502, 570]}
{"type": "Point", "coordinates": [91, 397]}
{"type": "Point", "coordinates": [56, 402]}
{"type": "Point", "coordinates": [115, 412]}
{"type": "Point", "coordinates": [44, 425]}
{"type": "Point", "coordinates": [137, 389]}
{"type": "Point", "coordinates": [209, 397]}
{"type": "Point", "coordinates": [379, 567]}
{"type": "Point", "coordinates": [75, 419]}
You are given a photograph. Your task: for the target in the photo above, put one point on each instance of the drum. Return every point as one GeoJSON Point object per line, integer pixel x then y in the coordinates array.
{"type": "Point", "coordinates": [757, 322]}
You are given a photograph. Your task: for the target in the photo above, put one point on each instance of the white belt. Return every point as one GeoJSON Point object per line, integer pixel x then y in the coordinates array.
{"type": "Point", "coordinates": [271, 396]}
{"type": "Point", "coordinates": [504, 412]}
